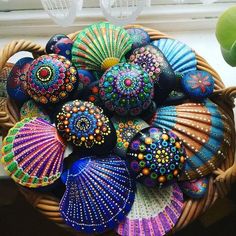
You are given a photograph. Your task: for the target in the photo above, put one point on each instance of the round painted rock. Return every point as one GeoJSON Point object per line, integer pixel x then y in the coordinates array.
{"type": "Point", "coordinates": [156, 156]}
{"type": "Point", "coordinates": [195, 188]}
{"type": "Point", "coordinates": [139, 37]}
{"type": "Point", "coordinates": [84, 125]}
{"type": "Point", "coordinates": [51, 79]}
{"type": "Point", "coordinates": [198, 84]}
{"type": "Point", "coordinates": [86, 77]}
{"type": "Point", "coordinates": [126, 89]}
{"type": "Point", "coordinates": [63, 47]}
{"type": "Point", "coordinates": [152, 60]}
{"type": "Point", "coordinates": [52, 41]}
{"type": "Point", "coordinates": [126, 129]}
{"type": "Point", "coordinates": [16, 81]}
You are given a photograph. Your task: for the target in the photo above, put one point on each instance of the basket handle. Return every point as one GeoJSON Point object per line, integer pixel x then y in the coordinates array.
{"type": "Point", "coordinates": [16, 46]}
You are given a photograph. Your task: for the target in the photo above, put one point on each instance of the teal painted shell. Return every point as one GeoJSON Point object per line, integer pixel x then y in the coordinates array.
{"type": "Point", "coordinates": [100, 46]}
{"type": "Point", "coordinates": [205, 133]}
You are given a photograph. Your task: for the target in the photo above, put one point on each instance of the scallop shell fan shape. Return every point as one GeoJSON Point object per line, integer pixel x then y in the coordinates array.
{"type": "Point", "coordinates": [154, 212]}
{"type": "Point", "coordinates": [100, 46]}
{"type": "Point", "coordinates": [32, 153]}
{"type": "Point", "coordinates": [99, 193]}
{"type": "Point", "coordinates": [179, 55]}
{"type": "Point", "coordinates": [205, 133]}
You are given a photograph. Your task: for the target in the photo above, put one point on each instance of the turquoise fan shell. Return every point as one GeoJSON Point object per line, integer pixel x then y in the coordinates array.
{"type": "Point", "coordinates": [100, 46]}
{"type": "Point", "coordinates": [99, 194]}
{"type": "Point", "coordinates": [204, 130]}
{"type": "Point", "coordinates": [179, 55]}
{"type": "Point", "coordinates": [33, 153]}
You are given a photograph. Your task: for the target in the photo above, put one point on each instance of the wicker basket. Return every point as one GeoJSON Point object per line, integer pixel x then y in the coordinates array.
{"type": "Point", "coordinates": [220, 180]}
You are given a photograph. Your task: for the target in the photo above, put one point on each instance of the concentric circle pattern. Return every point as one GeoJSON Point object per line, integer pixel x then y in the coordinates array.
{"type": "Point", "coordinates": [156, 156]}
{"type": "Point", "coordinates": [85, 125]}
{"type": "Point", "coordinates": [51, 79]}
{"type": "Point", "coordinates": [126, 89]}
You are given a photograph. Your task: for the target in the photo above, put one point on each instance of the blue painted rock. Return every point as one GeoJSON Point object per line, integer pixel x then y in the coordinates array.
{"type": "Point", "coordinates": [195, 188]}
{"type": "Point", "coordinates": [126, 89]}
{"type": "Point", "coordinates": [16, 81]}
{"type": "Point", "coordinates": [156, 156]}
{"type": "Point", "coordinates": [85, 126]}
{"type": "Point", "coordinates": [152, 60]}
{"type": "Point", "coordinates": [63, 47]}
{"type": "Point", "coordinates": [198, 84]}
{"type": "Point", "coordinates": [86, 77]}
{"type": "Point", "coordinates": [139, 37]}
{"type": "Point", "coordinates": [52, 41]}
{"type": "Point", "coordinates": [51, 79]}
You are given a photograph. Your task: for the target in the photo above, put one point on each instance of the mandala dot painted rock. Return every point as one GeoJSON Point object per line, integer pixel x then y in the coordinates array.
{"type": "Point", "coordinates": [139, 37]}
{"type": "Point", "coordinates": [52, 41]}
{"type": "Point", "coordinates": [51, 79]}
{"type": "Point", "coordinates": [63, 47]}
{"type": "Point", "coordinates": [31, 109]}
{"type": "Point", "coordinates": [156, 156]}
{"type": "Point", "coordinates": [16, 81]}
{"type": "Point", "coordinates": [126, 89]}
{"type": "Point", "coordinates": [152, 60]}
{"type": "Point", "coordinates": [198, 84]}
{"type": "Point", "coordinates": [85, 125]}
{"type": "Point", "coordinates": [126, 129]}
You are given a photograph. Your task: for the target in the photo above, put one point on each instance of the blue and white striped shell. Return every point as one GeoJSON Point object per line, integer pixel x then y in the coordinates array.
{"type": "Point", "coordinates": [179, 55]}
{"type": "Point", "coordinates": [205, 133]}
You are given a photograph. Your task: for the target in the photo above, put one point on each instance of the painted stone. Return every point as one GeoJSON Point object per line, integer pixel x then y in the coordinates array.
{"type": "Point", "coordinates": [198, 84]}
{"type": "Point", "coordinates": [84, 125]}
{"type": "Point", "coordinates": [51, 79]}
{"type": "Point", "coordinates": [126, 129]}
{"type": "Point", "coordinates": [156, 156]}
{"type": "Point", "coordinates": [195, 188]}
{"type": "Point", "coordinates": [86, 77]}
{"type": "Point", "coordinates": [126, 89]}
{"type": "Point", "coordinates": [16, 81]}
{"type": "Point", "coordinates": [52, 41]}
{"type": "Point", "coordinates": [63, 47]}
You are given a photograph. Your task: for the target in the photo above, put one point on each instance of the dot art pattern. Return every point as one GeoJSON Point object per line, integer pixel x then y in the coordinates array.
{"type": "Point", "coordinates": [156, 156]}
{"type": "Point", "coordinates": [51, 79]}
{"type": "Point", "coordinates": [83, 124]}
{"type": "Point", "coordinates": [126, 89]}
{"type": "Point", "coordinates": [99, 193]}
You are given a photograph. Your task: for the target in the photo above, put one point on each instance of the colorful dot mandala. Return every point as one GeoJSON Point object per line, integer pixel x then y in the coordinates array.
{"type": "Point", "coordinates": [51, 79]}
{"type": "Point", "coordinates": [156, 156]}
{"type": "Point", "coordinates": [151, 60]}
{"type": "Point", "coordinates": [126, 89]}
{"type": "Point", "coordinates": [85, 125]}
{"type": "Point", "coordinates": [126, 129]}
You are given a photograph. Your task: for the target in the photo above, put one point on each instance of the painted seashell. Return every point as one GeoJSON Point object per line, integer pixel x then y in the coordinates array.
{"type": "Point", "coordinates": [154, 212]}
{"type": "Point", "coordinates": [33, 153]}
{"type": "Point", "coordinates": [198, 84]}
{"type": "Point", "coordinates": [99, 194]}
{"type": "Point", "coordinates": [126, 129]}
{"type": "Point", "coordinates": [51, 79]}
{"type": "Point", "coordinates": [126, 89]}
{"type": "Point", "coordinates": [63, 47]}
{"type": "Point", "coordinates": [4, 74]}
{"type": "Point", "coordinates": [139, 37]}
{"type": "Point", "coordinates": [195, 188]}
{"type": "Point", "coordinates": [52, 41]}
{"type": "Point", "coordinates": [156, 156]}
{"type": "Point", "coordinates": [179, 55]}
{"type": "Point", "coordinates": [100, 46]}
{"type": "Point", "coordinates": [31, 109]}
{"type": "Point", "coordinates": [152, 60]}
{"type": "Point", "coordinates": [205, 133]}
{"type": "Point", "coordinates": [84, 125]}
{"type": "Point", "coordinates": [16, 81]}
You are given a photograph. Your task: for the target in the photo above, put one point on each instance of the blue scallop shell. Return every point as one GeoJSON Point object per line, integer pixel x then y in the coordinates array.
{"type": "Point", "coordinates": [179, 55]}
{"type": "Point", "coordinates": [204, 130]}
{"type": "Point", "coordinates": [99, 194]}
